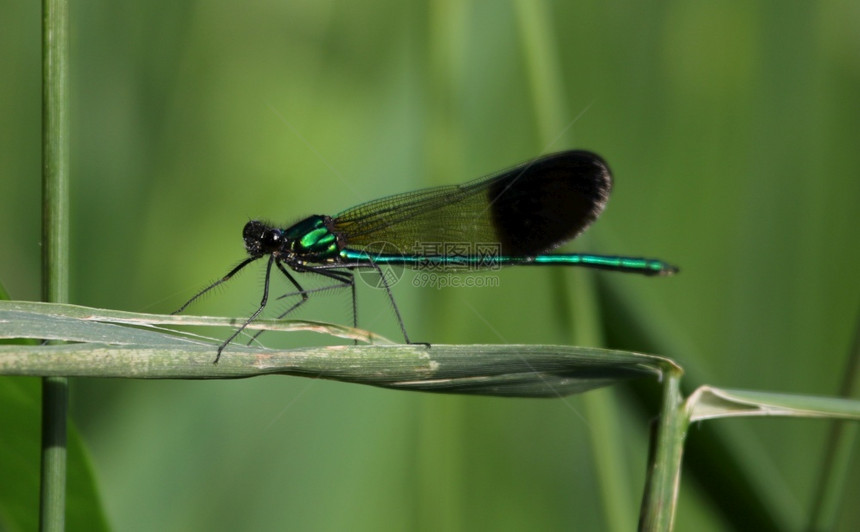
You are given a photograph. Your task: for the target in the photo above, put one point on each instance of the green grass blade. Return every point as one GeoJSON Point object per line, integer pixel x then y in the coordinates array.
{"type": "Point", "coordinates": [122, 350]}
{"type": "Point", "coordinates": [496, 370]}
{"type": "Point", "coordinates": [713, 403]}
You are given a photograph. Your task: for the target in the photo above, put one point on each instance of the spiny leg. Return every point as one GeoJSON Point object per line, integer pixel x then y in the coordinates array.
{"type": "Point", "coordinates": [345, 277]}
{"type": "Point", "coordinates": [354, 265]}
{"type": "Point", "coordinates": [299, 291]}
{"type": "Point", "coordinates": [220, 281]}
{"type": "Point", "coordinates": [255, 314]}
{"type": "Point", "coordinates": [354, 303]}
{"type": "Point", "coordinates": [391, 298]}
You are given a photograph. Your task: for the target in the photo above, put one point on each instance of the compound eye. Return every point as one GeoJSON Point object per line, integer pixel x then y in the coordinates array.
{"type": "Point", "coordinates": [271, 239]}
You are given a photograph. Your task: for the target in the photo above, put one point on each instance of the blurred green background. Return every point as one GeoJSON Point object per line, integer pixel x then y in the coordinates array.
{"type": "Point", "coordinates": [732, 131]}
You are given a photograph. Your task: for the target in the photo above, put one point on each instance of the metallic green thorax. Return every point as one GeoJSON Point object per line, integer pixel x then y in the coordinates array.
{"type": "Point", "coordinates": [311, 239]}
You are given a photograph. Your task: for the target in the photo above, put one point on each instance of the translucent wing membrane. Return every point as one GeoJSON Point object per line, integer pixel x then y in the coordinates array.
{"type": "Point", "coordinates": [528, 209]}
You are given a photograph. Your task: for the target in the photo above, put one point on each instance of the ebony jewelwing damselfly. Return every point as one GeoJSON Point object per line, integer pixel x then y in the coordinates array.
{"type": "Point", "coordinates": [516, 216]}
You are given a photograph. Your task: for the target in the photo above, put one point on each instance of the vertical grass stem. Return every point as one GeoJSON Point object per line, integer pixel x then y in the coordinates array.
{"type": "Point", "coordinates": [55, 251]}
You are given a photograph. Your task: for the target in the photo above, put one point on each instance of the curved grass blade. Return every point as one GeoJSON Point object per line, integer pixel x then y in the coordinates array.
{"type": "Point", "coordinates": [133, 349]}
